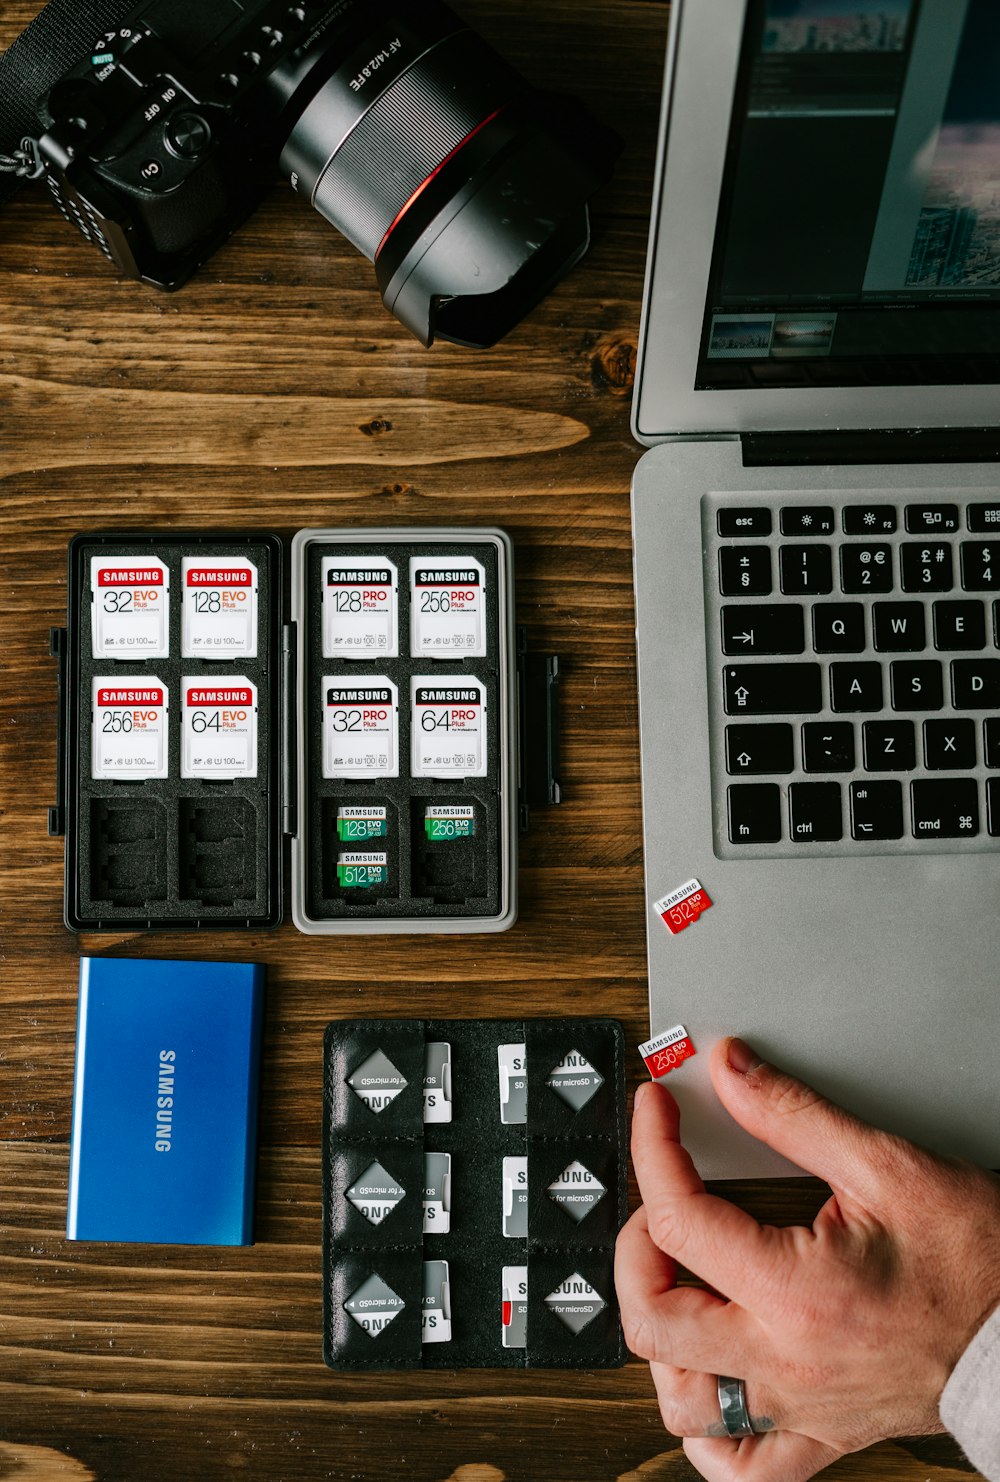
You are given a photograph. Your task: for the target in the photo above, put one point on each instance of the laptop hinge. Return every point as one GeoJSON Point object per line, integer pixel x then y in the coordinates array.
{"type": "Point", "coordinates": [928, 445]}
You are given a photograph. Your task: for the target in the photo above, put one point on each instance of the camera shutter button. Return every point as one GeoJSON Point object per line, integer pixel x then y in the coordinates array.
{"type": "Point", "coordinates": [187, 135]}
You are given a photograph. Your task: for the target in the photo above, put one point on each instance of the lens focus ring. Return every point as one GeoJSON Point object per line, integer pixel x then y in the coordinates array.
{"type": "Point", "coordinates": [412, 126]}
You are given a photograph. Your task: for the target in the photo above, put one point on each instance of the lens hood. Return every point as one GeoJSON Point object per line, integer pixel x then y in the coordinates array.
{"type": "Point", "coordinates": [498, 223]}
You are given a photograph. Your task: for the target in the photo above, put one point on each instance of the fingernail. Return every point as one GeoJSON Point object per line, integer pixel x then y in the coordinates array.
{"type": "Point", "coordinates": [640, 1091]}
{"type": "Point", "coordinates": [741, 1058]}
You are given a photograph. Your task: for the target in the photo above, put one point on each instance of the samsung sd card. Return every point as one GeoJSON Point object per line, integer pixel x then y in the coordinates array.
{"type": "Point", "coordinates": [358, 869]}
{"type": "Point", "coordinates": [444, 821]}
{"type": "Point", "coordinates": [512, 1065]}
{"type": "Point", "coordinates": [359, 607]}
{"type": "Point", "coordinates": [437, 1081]}
{"type": "Point", "coordinates": [447, 608]}
{"type": "Point", "coordinates": [515, 1197]}
{"type": "Point", "coordinates": [130, 607]}
{"type": "Point", "coordinates": [435, 1310]}
{"type": "Point", "coordinates": [129, 728]}
{"type": "Point", "coordinates": [448, 727]}
{"type": "Point", "coordinates": [514, 1306]}
{"type": "Point", "coordinates": [362, 822]}
{"type": "Point", "coordinates": [218, 727]}
{"type": "Point", "coordinates": [360, 726]}
{"type": "Point", "coordinates": [437, 1193]}
{"type": "Point", "coordinates": [218, 608]}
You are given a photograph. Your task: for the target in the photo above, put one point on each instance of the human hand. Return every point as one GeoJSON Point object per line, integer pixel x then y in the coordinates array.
{"type": "Point", "coordinates": [844, 1333]}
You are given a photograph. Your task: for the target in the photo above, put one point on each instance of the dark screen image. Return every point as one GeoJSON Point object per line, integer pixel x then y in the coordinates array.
{"type": "Point", "coordinates": [859, 223]}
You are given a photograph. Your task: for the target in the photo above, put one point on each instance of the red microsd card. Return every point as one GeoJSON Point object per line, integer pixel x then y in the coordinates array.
{"type": "Point", "coordinates": [667, 1050]}
{"type": "Point", "coordinates": [683, 905]}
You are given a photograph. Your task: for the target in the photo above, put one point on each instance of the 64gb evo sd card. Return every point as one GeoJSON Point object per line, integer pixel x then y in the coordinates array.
{"type": "Point", "coordinates": [218, 727]}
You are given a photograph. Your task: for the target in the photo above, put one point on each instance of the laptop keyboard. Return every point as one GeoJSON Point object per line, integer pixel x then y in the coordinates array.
{"type": "Point", "coordinates": [854, 673]}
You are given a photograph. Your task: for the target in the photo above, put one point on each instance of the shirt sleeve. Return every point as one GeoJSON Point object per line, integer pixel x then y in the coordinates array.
{"type": "Point", "coordinates": [969, 1400]}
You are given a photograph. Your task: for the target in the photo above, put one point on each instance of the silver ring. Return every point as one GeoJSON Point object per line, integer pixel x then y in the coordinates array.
{"type": "Point", "coordinates": [733, 1405]}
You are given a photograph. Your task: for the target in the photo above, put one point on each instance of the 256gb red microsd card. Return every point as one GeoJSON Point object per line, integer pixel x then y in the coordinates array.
{"type": "Point", "coordinates": [683, 905]}
{"type": "Point", "coordinates": [666, 1051]}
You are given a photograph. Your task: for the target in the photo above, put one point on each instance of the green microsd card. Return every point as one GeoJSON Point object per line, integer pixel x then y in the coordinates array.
{"type": "Point", "coordinates": [358, 871]}
{"type": "Point", "coordinates": [450, 822]}
{"type": "Point", "coordinates": [361, 823]}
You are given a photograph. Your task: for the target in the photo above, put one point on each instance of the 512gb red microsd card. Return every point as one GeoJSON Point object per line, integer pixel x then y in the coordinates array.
{"type": "Point", "coordinates": [666, 1051]}
{"type": "Point", "coordinates": [683, 905]}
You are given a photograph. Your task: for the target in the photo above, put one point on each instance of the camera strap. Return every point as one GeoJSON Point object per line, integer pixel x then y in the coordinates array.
{"type": "Point", "coordinates": [62, 33]}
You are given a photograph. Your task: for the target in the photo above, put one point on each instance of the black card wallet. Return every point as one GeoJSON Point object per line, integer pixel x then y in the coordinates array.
{"type": "Point", "coordinates": [474, 1184]}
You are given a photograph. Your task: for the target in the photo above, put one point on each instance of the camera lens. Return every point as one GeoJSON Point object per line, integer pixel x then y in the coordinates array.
{"type": "Point", "coordinates": [438, 162]}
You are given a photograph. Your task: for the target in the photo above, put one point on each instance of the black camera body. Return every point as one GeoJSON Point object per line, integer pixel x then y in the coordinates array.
{"type": "Point", "coordinates": [465, 187]}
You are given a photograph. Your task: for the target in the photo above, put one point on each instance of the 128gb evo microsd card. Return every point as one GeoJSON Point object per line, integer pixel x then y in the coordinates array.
{"type": "Point", "coordinates": [129, 729]}
{"type": "Point", "coordinates": [359, 607]}
{"type": "Point", "coordinates": [130, 607]}
{"type": "Point", "coordinates": [448, 727]}
{"type": "Point", "coordinates": [447, 608]}
{"type": "Point", "coordinates": [360, 726]}
{"type": "Point", "coordinates": [218, 727]}
{"type": "Point", "coordinates": [218, 608]}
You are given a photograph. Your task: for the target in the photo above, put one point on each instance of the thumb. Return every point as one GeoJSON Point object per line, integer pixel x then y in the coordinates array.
{"type": "Point", "coordinates": [853, 1157]}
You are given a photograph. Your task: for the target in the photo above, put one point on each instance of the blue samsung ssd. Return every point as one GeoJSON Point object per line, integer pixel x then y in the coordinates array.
{"type": "Point", "coordinates": [165, 1102]}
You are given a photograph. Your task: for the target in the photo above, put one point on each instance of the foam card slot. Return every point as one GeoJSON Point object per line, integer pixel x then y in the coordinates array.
{"type": "Point", "coordinates": [218, 852]}
{"type": "Point", "coordinates": [128, 850]}
{"type": "Point", "coordinates": [448, 865]}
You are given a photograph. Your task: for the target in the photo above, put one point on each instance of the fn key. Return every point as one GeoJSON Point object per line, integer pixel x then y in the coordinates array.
{"type": "Point", "coordinates": [754, 813]}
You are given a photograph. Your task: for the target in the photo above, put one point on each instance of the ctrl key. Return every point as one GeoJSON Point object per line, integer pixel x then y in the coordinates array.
{"type": "Point", "coordinates": [754, 813]}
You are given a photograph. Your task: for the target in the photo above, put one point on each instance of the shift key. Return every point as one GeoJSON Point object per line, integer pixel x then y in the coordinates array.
{"type": "Point", "coordinates": [772, 689]}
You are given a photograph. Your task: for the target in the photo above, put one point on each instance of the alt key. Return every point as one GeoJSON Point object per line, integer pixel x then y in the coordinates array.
{"type": "Point", "coordinates": [876, 810]}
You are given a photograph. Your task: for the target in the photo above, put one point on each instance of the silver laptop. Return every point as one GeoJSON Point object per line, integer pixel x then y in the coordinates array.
{"type": "Point", "coordinates": [817, 560]}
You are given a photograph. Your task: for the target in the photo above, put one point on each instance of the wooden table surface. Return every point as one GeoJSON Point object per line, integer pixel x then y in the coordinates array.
{"type": "Point", "coordinates": [274, 391]}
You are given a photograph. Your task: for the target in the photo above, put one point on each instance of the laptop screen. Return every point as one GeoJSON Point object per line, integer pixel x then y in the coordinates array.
{"type": "Point", "coordinates": [858, 238]}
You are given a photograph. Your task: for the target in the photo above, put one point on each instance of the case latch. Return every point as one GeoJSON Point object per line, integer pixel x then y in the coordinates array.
{"type": "Point", "coordinates": [538, 730]}
{"type": "Point", "coordinates": [59, 648]}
